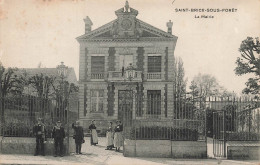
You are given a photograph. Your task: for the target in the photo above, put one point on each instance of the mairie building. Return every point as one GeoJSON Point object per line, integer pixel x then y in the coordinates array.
{"type": "Point", "coordinates": [120, 64]}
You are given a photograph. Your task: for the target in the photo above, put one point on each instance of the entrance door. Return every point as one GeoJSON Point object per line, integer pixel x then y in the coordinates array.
{"type": "Point", "coordinates": [125, 106]}
{"type": "Point", "coordinates": [219, 140]}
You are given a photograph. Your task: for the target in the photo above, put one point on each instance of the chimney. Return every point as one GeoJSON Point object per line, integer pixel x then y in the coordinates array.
{"type": "Point", "coordinates": [88, 24]}
{"type": "Point", "coordinates": [169, 25]}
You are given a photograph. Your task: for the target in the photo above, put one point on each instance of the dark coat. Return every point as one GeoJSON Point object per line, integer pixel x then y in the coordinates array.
{"type": "Point", "coordinates": [39, 131]}
{"type": "Point", "coordinates": [119, 128]}
{"type": "Point", "coordinates": [78, 134]}
{"type": "Point", "coordinates": [58, 133]}
{"type": "Point", "coordinates": [92, 126]}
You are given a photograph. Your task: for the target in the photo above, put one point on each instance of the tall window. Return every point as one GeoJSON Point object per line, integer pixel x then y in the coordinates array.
{"type": "Point", "coordinates": [97, 100]}
{"type": "Point", "coordinates": [154, 64]}
{"type": "Point", "coordinates": [154, 102]}
{"type": "Point", "coordinates": [97, 67]}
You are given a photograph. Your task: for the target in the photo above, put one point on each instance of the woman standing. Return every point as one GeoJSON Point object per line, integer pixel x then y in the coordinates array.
{"type": "Point", "coordinates": [118, 140]}
{"type": "Point", "coordinates": [109, 136]}
{"type": "Point", "coordinates": [93, 131]}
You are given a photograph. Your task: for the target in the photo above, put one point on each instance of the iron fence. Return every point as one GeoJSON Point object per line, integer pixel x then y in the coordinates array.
{"type": "Point", "coordinates": [152, 120]}
{"type": "Point", "coordinates": [235, 119]}
{"type": "Point", "coordinates": [20, 114]}
{"type": "Point", "coordinates": [192, 119]}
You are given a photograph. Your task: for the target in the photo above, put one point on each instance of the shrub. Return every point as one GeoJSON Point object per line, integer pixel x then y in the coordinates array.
{"type": "Point", "coordinates": [163, 133]}
{"type": "Point", "coordinates": [237, 136]}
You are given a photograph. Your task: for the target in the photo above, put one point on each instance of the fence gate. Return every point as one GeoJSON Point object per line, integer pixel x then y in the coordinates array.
{"type": "Point", "coordinates": [219, 132]}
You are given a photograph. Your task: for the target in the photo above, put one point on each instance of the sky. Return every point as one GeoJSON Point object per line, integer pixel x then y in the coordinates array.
{"type": "Point", "coordinates": [44, 31]}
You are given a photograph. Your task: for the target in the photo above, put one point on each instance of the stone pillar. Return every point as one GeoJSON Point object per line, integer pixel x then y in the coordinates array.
{"type": "Point", "coordinates": [170, 104]}
{"type": "Point", "coordinates": [82, 62]}
{"type": "Point", "coordinates": [81, 101]}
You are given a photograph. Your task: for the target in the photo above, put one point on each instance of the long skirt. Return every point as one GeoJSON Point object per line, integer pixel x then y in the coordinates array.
{"type": "Point", "coordinates": [118, 139]}
{"type": "Point", "coordinates": [110, 140]}
{"type": "Point", "coordinates": [94, 137]}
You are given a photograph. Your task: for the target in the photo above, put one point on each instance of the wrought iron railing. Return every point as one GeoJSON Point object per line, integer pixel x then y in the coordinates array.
{"type": "Point", "coordinates": [97, 75]}
{"type": "Point", "coordinates": [154, 75]}
{"type": "Point", "coordinates": [192, 119]}
{"type": "Point", "coordinates": [20, 114]}
{"type": "Point", "coordinates": [154, 121]}
{"type": "Point", "coordinates": [115, 76]}
{"type": "Point", "coordinates": [240, 120]}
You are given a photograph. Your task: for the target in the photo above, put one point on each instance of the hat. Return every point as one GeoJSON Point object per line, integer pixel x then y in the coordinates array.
{"type": "Point", "coordinates": [58, 122]}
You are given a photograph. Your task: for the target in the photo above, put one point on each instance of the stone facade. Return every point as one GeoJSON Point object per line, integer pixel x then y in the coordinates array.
{"type": "Point", "coordinates": [113, 47]}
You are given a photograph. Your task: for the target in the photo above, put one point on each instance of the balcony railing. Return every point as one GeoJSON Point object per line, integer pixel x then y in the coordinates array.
{"type": "Point", "coordinates": [154, 75]}
{"type": "Point", "coordinates": [97, 76]}
{"type": "Point", "coordinates": [115, 76]}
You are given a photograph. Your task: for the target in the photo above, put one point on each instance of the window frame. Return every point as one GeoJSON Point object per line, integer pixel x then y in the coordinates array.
{"type": "Point", "coordinates": [153, 69]}
{"type": "Point", "coordinates": [154, 106]}
{"type": "Point", "coordinates": [99, 100]}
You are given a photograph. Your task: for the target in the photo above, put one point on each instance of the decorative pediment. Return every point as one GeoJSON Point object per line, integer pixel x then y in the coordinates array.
{"type": "Point", "coordinates": [125, 27]}
{"type": "Point", "coordinates": [111, 31]}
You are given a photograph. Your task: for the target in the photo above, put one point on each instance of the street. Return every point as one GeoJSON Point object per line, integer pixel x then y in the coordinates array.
{"type": "Point", "coordinates": [97, 155]}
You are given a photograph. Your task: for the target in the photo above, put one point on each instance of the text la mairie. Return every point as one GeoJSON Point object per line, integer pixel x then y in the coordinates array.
{"type": "Point", "coordinates": [125, 70]}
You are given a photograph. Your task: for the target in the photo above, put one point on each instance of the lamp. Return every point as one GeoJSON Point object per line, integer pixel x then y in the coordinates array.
{"type": "Point", "coordinates": [62, 70]}
{"type": "Point", "coordinates": [130, 72]}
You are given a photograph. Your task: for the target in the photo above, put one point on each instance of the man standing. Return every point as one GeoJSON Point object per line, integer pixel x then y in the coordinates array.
{"type": "Point", "coordinates": [58, 134]}
{"type": "Point", "coordinates": [78, 136]}
{"type": "Point", "coordinates": [39, 132]}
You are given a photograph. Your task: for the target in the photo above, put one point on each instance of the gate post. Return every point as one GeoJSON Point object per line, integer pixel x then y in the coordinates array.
{"type": "Point", "coordinates": [68, 129]}
{"type": "Point", "coordinates": [224, 132]}
{"type": "Point", "coordinates": [205, 126]}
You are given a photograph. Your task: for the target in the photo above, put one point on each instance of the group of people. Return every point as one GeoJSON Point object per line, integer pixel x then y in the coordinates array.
{"type": "Point", "coordinates": [114, 136]}
{"type": "Point", "coordinates": [58, 134]}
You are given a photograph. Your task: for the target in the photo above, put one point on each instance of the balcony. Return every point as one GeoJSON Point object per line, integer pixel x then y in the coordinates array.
{"type": "Point", "coordinates": [117, 76]}
{"type": "Point", "coordinates": [97, 76]}
{"type": "Point", "coordinates": [154, 76]}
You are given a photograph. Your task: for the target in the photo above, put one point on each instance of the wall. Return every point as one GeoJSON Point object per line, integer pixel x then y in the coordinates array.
{"type": "Point", "coordinates": [20, 145]}
{"type": "Point", "coordinates": [165, 149]}
{"type": "Point", "coordinates": [243, 150]}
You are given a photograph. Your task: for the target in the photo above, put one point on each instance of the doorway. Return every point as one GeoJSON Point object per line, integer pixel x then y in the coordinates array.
{"type": "Point", "coordinates": [125, 106]}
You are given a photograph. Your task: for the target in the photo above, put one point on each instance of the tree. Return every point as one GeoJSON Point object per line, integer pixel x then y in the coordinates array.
{"type": "Point", "coordinates": [249, 62]}
{"type": "Point", "coordinates": [180, 82]}
{"type": "Point", "coordinates": [204, 85]}
{"type": "Point", "coordinates": [42, 84]}
{"type": "Point", "coordinates": [10, 83]}
{"type": "Point", "coordinates": [63, 91]}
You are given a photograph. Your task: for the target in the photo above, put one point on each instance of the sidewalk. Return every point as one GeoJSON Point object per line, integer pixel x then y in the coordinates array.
{"type": "Point", "coordinates": [97, 155]}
